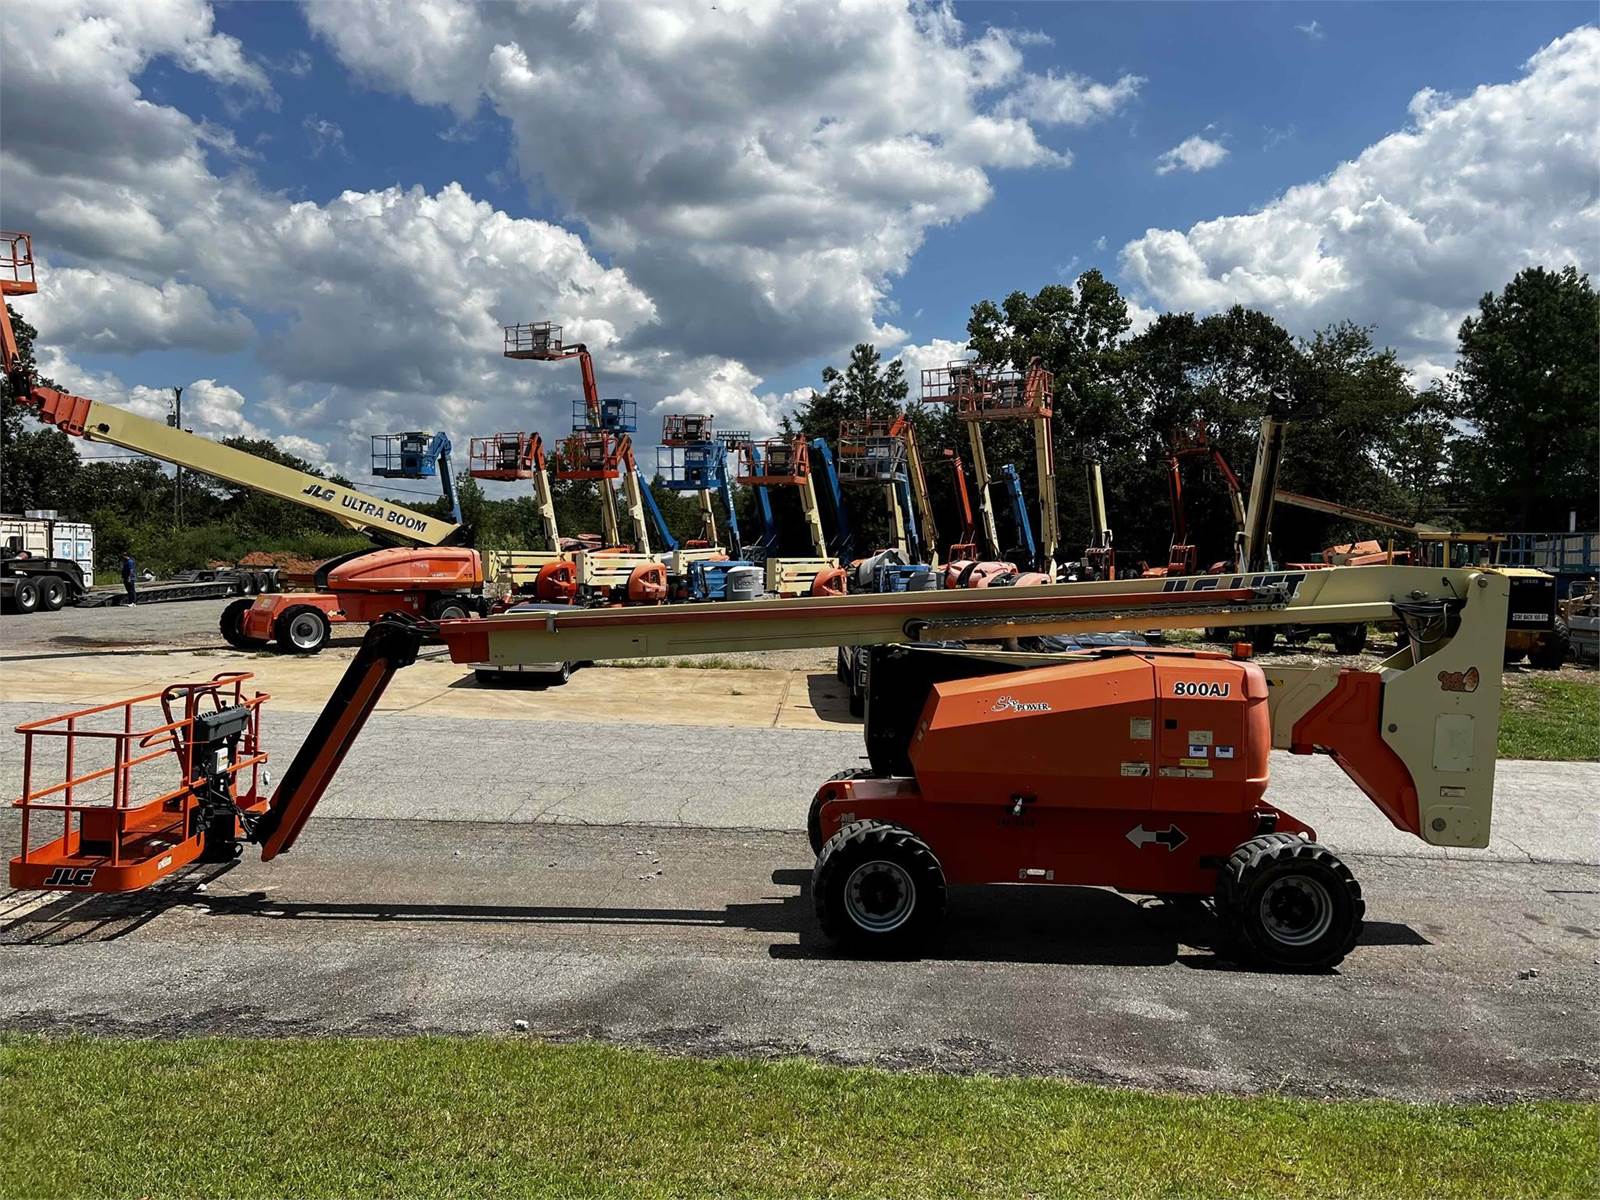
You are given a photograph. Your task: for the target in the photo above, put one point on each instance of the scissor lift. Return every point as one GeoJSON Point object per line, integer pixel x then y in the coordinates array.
{"type": "Point", "coordinates": [982, 393]}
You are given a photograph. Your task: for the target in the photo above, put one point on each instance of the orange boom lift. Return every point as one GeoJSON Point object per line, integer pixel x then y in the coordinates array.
{"type": "Point", "coordinates": [1136, 768]}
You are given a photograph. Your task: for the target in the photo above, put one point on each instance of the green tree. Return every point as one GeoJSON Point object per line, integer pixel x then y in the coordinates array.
{"type": "Point", "coordinates": [1527, 378]}
{"type": "Point", "coordinates": [37, 465]}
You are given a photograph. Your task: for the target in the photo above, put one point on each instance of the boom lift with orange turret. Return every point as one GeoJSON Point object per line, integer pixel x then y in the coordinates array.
{"type": "Point", "coordinates": [1137, 768]}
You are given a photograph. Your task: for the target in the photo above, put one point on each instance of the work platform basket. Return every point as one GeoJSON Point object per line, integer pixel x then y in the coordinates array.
{"type": "Point", "coordinates": [16, 265]}
{"type": "Point", "coordinates": [616, 416]}
{"type": "Point", "coordinates": [697, 467]}
{"type": "Point", "coordinates": [403, 456]}
{"type": "Point", "coordinates": [981, 393]}
{"type": "Point", "coordinates": [505, 456]}
{"type": "Point", "coordinates": [686, 429]}
{"type": "Point", "coordinates": [141, 787]}
{"type": "Point", "coordinates": [587, 455]}
{"type": "Point", "coordinates": [775, 462]}
{"type": "Point", "coordinates": [871, 451]}
{"type": "Point", "coordinates": [536, 339]}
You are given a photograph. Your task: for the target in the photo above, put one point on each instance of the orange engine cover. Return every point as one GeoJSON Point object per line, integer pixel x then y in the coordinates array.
{"type": "Point", "coordinates": [442, 568]}
{"type": "Point", "coordinates": [1140, 731]}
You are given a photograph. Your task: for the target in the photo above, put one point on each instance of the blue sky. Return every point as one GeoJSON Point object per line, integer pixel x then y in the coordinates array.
{"type": "Point", "coordinates": [745, 253]}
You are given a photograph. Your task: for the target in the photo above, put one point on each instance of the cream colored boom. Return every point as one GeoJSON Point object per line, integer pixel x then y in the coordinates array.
{"type": "Point", "coordinates": [99, 422]}
{"type": "Point", "coordinates": [1440, 697]}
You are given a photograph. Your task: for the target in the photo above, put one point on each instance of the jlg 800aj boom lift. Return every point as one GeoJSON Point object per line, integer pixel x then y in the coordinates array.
{"type": "Point", "coordinates": [1136, 768]}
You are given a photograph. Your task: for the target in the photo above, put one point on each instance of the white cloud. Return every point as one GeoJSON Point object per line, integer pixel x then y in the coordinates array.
{"type": "Point", "coordinates": [917, 358]}
{"type": "Point", "coordinates": [326, 137]}
{"type": "Point", "coordinates": [110, 312]}
{"type": "Point", "coordinates": [755, 182]}
{"type": "Point", "coordinates": [373, 308]}
{"type": "Point", "coordinates": [1192, 154]}
{"type": "Point", "coordinates": [1070, 99]}
{"type": "Point", "coordinates": [1410, 233]}
{"type": "Point", "coordinates": [1313, 30]}
{"type": "Point", "coordinates": [764, 171]}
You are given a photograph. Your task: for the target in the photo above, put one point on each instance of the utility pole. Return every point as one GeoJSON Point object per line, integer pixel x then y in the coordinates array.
{"type": "Point", "coordinates": [175, 420]}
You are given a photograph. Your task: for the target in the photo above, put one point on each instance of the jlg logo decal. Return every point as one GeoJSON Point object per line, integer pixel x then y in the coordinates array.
{"type": "Point", "coordinates": [1187, 688]}
{"type": "Point", "coordinates": [63, 877]}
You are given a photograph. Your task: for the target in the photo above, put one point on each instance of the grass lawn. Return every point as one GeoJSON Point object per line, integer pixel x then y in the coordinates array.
{"type": "Point", "coordinates": [1542, 716]}
{"type": "Point", "coordinates": [509, 1116]}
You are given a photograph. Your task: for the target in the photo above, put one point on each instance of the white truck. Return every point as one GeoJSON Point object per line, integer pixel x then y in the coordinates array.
{"type": "Point", "coordinates": [45, 563]}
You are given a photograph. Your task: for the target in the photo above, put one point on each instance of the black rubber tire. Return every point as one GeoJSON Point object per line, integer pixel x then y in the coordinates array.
{"type": "Point", "coordinates": [449, 608]}
{"type": "Point", "coordinates": [910, 880]}
{"type": "Point", "coordinates": [241, 584]}
{"type": "Point", "coordinates": [1350, 639]}
{"type": "Point", "coordinates": [1250, 880]}
{"type": "Point", "coordinates": [1550, 653]}
{"type": "Point", "coordinates": [814, 813]}
{"type": "Point", "coordinates": [858, 704]}
{"type": "Point", "coordinates": [252, 584]}
{"type": "Point", "coordinates": [841, 664]}
{"type": "Point", "coordinates": [1215, 633]}
{"type": "Point", "coordinates": [1262, 639]}
{"type": "Point", "coordinates": [231, 624]}
{"type": "Point", "coordinates": [25, 598]}
{"type": "Point", "coordinates": [307, 645]}
{"type": "Point", "coordinates": [559, 676]}
{"type": "Point", "coordinates": [52, 593]}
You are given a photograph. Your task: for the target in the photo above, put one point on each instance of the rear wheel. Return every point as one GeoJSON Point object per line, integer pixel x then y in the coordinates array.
{"type": "Point", "coordinates": [1350, 639]}
{"type": "Point", "coordinates": [448, 609]}
{"type": "Point", "coordinates": [52, 593]}
{"type": "Point", "coordinates": [1286, 902]}
{"type": "Point", "coordinates": [302, 630]}
{"type": "Point", "coordinates": [1551, 650]}
{"type": "Point", "coordinates": [25, 599]}
{"type": "Point", "coordinates": [232, 626]}
{"type": "Point", "coordinates": [877, 888]}
{"type": "Point", "coordinates": [1262, 639]}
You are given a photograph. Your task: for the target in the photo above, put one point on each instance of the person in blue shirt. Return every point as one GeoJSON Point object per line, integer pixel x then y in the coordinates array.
{"type": "Point", "coordinates": [130, 578]}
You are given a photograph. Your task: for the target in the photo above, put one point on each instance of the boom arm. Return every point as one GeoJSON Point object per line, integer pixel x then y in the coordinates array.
{"type": "Point", "coordinates": [95, 421]}
{"type": "Point", "coordinates": [1418, 735]}
{"type": "Point", "coordinates": [1019, 512]}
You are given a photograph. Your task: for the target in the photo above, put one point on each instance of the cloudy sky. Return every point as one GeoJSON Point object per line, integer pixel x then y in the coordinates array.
{"type": "Point", "coordinates": [317, 218]}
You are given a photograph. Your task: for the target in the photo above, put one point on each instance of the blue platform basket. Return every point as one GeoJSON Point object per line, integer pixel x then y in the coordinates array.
{"type": "Point", "coordinates": [403, 456]}
{"type": "Point", "coordinates": [616, 416]}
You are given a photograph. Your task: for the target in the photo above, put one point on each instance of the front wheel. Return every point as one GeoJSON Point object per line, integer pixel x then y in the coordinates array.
{"type": "Point", "coordinates": [302, 630]}
{"type": "Point", "coordinates": [232, 626]}
{"type": "Point", "coordinates": [1289, 903]}
{"type": "Point", "coordinates": [1350, 639]}
{"type": "Point", "coordinates": [877, 888]}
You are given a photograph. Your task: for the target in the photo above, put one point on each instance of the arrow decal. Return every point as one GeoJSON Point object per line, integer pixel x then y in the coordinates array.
{"type": "Point", "coordinates": [1171, 837]}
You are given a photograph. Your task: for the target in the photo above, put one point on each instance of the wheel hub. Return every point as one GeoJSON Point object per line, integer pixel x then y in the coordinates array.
{"type": "Point", "coordinates": [1296, 910]}
{"type": "Point", "coordinates": [305, 630]}
{"type": "Point", "coordinates": [879, 896]}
